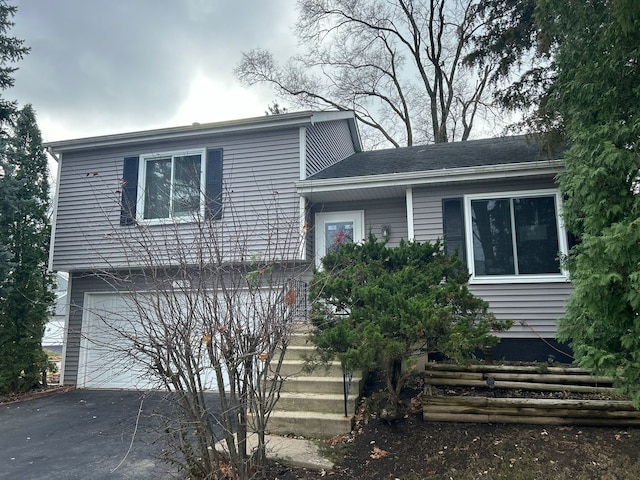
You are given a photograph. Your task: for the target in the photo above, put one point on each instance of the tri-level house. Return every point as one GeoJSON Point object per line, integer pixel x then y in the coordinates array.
{"type": "Point", "coordinates": [493, 201]}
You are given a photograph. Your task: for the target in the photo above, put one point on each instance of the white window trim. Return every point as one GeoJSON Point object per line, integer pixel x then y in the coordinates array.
{"type": "Point", "coordinates": [355, 216]}
{"type": "Point", "coordinates": [142, 177]}
{"type": "Point", "coordinates": [521, 278]}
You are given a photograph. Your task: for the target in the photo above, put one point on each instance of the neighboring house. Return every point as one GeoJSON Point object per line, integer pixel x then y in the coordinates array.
{"type": "Point", "coordinates": [53, 338]}
{"type": "Point", "coordinates": [494, 201]}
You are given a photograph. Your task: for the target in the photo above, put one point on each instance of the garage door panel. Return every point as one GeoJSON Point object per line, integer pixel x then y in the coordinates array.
{"type": "Point", "coordinates": [107, 358]}
{"type": "Point", "coordinates": [111, 325]}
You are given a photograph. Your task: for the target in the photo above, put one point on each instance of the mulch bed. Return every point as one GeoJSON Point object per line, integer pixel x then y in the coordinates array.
{"type": "Point", "coordinates": [32, 394]}
{"type": "Point", "coordinates": [412, 449]}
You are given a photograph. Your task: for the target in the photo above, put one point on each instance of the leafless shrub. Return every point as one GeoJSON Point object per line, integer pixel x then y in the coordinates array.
{"type": "Point", "coordinates": [209, 306]}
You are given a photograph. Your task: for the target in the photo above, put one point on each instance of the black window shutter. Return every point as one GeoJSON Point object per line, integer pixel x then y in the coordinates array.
{"type": "Point", "coordinates": [453, 226]}
{"type": "Point", "coordinates": [129, 191]}
{"type": "Point", "coordinates": [213, 192]}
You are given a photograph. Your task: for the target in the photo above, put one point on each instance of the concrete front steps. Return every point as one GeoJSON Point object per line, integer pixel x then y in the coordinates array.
{"type": "Point", "coordinates": [312, 404]}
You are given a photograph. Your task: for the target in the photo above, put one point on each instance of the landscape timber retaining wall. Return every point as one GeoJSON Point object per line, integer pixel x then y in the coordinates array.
{"type": "Point", "coordinates": [545, 411]}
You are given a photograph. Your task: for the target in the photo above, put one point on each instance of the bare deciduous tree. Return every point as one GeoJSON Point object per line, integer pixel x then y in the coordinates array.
{"type": "Point", "coordinates": [210, 307]}
{"type": "Point", "coordinates": [399, 64]}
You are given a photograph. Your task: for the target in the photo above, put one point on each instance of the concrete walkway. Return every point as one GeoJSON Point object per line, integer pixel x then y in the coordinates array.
{"type": "Point", "coordinates": [295, 452]}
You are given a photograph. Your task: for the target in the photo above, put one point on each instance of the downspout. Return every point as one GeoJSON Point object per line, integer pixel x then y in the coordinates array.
{"type": "Point", "coordinates": [410, 227]}
{"type": "Point", "coordinates": [54, 212]}
{"type": "Point", "coordinates": [302, 204]}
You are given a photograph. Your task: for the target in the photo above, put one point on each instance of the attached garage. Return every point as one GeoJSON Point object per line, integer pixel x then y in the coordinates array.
{"type": "Point", "coordinates": [111, 329]}
{"type": "Point", "coordinates": [107, 359]}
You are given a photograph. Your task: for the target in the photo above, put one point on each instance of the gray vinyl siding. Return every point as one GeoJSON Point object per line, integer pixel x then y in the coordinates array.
{"type": "Point", "coordinates": [427, 201]}
{"type": "Point", "coordinates": [534, 307]}
{"type": "Point", "coordinates": [327, 143]}
{"type": "Point", "coordinates": [391, 212]}
{"type": "Point", "coordinates": [260, 170]}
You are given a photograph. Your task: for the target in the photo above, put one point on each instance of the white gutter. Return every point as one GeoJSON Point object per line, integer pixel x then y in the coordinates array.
{"type": "Point", "coordinates": [54, 212]}
{"type": "Point", "coordinates": [432, 177]}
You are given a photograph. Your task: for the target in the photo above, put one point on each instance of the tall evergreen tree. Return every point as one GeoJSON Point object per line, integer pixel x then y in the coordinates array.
{"type": "Point", "coordinates": [25, 284]}
{"type": "Point", "coordinates": [11, 50]}
{"type": "Point", "coordinates": [26, 306]}
{"type": "Point", "coordinates": [597, 95]}
{"type": "Point", "coordinates": [585, 87]}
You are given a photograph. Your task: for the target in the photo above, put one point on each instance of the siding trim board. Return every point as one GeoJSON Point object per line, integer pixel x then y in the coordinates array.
{"type": "Point", "coordinates": [65, 341]}
{"type": "Point", "coordinates": [54, 216]}
{"type": "Point", "coordinates": [302, 252]}
{"type": "Point", "coordinates": [411, 235]}
{"type": "Point", "coordinates": [303, 153]}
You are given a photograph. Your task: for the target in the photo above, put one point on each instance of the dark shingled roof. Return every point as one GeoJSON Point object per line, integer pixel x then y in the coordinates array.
{"type": "Point", "coordinates": [472, 153]}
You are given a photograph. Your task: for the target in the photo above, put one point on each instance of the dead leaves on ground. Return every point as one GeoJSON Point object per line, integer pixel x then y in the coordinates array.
{"type": "Point", "coordinates": [377, 453]}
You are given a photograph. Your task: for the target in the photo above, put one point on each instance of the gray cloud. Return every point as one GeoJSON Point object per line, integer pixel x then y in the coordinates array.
{"type": "Point", "coordinates": [104, 67]}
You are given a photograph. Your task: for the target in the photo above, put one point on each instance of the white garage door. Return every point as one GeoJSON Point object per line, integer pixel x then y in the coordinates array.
{"type": "Point", "coordinates": [112, 331]}
{"type": "Point", "coordinates": [106, 357]}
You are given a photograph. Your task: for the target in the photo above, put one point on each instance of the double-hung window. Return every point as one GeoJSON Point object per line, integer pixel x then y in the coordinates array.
{"type": "Point", "coordinates": [173, 185]}
{"type": "Point", "coordinates": [511, 236]}
{"type": "Point", "coordinates": [183, 186]}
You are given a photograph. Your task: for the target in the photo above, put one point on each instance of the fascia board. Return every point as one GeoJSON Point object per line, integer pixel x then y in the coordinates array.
{"type": "Point", "coordinates": [355, 135]}
{"type": "Point", "coordinates": [232, 126]}
{"type": "Point", "coordinates": [330, 115]}
{"type": "Point", "coordinates": [433, 177]}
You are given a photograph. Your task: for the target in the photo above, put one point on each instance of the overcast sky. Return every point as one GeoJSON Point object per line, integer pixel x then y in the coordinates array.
{"type": "Point", "coordinates": [110, 66]}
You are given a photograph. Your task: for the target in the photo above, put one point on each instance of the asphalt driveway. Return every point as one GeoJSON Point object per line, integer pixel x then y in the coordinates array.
{"type": "Point", "coordinates": [85, 434]}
